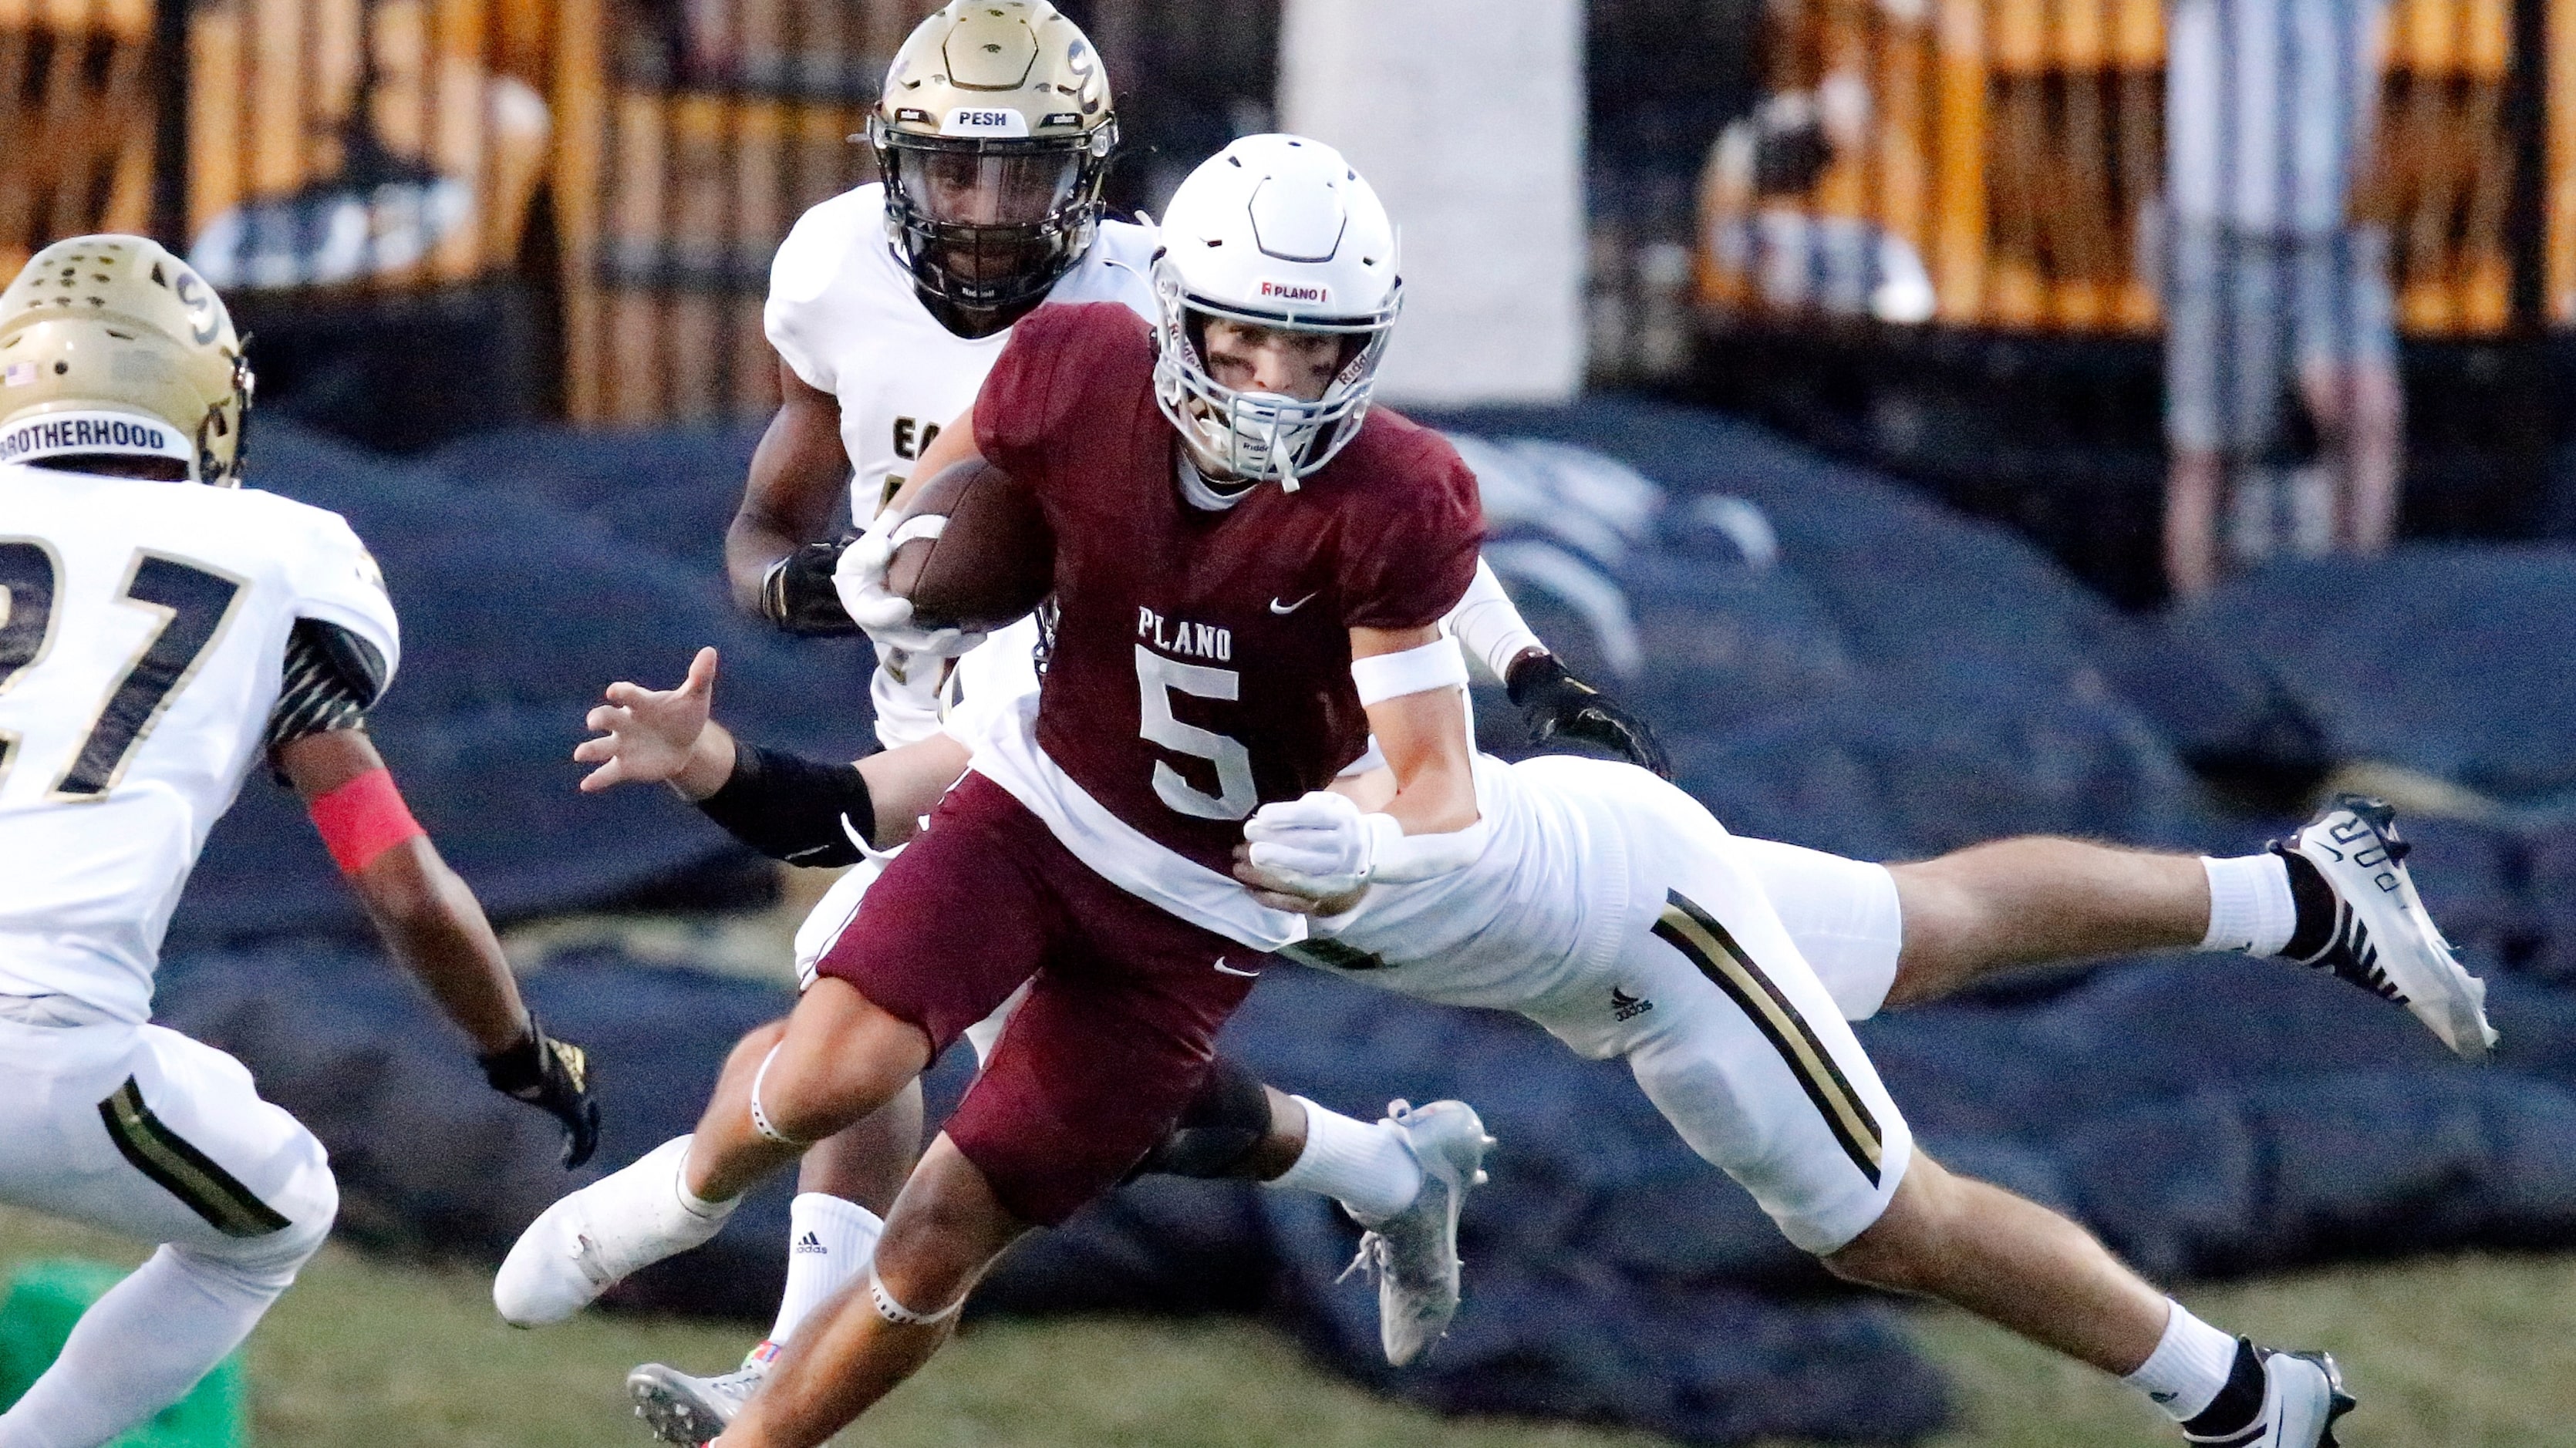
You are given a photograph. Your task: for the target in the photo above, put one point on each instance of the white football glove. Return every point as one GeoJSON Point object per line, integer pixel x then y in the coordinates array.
{"type": "Point", "coordinates": [1319, 845]}
{"type": "Point", "coordinates": [860, 580]}
{"type": "Point", "coordinates": [905, 691]}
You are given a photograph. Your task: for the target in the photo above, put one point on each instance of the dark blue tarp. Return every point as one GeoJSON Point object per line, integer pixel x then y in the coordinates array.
{"type": "Point", "coordinates": [2451, 659]}
{"type": "Point", "coordinates": [1859, 669]}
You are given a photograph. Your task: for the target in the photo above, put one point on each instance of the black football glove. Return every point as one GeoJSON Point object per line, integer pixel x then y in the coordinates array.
{"type": "Point", "coordinates": [798, 595]}
{"type": "Point", "coordinates": [1556, 705]}
{"type": "Point", "coordinates": [553, 1076]}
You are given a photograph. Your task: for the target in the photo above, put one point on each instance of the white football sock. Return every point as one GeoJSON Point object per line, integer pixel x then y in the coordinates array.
{"type": "Point", "coordinates": [829, 1243]}
{"type": "Point", "coordinates": [2189, 1366]}
{"type": "Point", "coordinates": [141, 1347]}
{"type": "Point", "coordinates": [1364, 1165]}
{"type": "Point", "coordinates": [2250, 905]}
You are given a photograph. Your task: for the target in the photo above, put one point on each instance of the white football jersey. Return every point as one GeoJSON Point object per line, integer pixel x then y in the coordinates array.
{"type": "Point", "coordinates": [143, 633]}
{"type": "Point", "coordinates": [1541, 907]}
{"type": "Point", "coordinates": [843, 313]}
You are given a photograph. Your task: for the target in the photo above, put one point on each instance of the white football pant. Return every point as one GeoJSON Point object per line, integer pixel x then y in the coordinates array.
{"type": "Point", "coordinates": [148, 1134]}
{"type": "Point", "coordinates": [1730, 1031]}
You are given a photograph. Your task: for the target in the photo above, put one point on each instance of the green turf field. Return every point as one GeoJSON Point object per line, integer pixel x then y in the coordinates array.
{"type": "Point", "coordinates": [2445, 1354]}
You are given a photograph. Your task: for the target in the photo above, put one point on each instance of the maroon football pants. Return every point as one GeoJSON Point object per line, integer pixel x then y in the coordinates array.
{"type": "Point", "coordinates": [1125, 999]}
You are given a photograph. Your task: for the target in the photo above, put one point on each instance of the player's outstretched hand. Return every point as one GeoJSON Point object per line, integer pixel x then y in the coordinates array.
{"type": "Point", "coordinates": [553, 1076]}
{"type": "Point", "coordinates": [799, 596]}
{"type": "Point", "coordinates": [1556, 705]}
{"type": "Point", "coordinates": [1309, 855]}
{"type": "Point", "coordinates": [885, 615]}
{"type": "Point", "coordinates": [648, 734]}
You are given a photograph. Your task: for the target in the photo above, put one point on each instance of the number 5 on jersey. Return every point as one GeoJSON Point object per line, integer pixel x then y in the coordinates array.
{"type": "Point", "coordinates": [193, 602]}
{"type": "Point", "coordinates": [1157, 679]}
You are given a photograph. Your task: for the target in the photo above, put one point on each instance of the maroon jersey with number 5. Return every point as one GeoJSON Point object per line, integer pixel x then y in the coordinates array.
{"type": "Point", "coordinates": [1201, 660]}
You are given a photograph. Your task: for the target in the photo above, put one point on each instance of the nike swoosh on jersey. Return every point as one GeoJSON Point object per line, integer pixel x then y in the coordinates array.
{"type": "Point", "coordinates": [1230, 970]}
{"type": "Point", "coordinates": [1277, 607]}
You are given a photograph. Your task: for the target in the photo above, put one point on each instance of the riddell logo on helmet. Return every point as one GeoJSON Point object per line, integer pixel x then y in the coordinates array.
{"type": "Point", "coordinates": [1296, 292]}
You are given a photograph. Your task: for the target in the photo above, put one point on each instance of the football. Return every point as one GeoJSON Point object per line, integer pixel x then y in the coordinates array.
{"type": "Point", "coordinates": [992, 562]}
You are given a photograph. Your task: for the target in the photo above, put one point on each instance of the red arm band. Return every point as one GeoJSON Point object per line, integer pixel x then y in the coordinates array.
{"type": "Point", "coordinates": [362, 819]}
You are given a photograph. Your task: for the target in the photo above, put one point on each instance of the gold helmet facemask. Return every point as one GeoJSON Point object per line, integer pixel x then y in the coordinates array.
{"type": "Point", "coordinates": [111, 346]}
{"type": "Point", "coordinates": [994, 134]}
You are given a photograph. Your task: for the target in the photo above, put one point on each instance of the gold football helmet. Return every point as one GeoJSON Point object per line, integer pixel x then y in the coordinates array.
{"type": "Point", "coordinates": [993, 134]}
{"type": "Point", "coordinates": [111, 345]}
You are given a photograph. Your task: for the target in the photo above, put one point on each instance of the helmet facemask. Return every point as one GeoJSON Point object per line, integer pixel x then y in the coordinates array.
{"type": "Point", "coordinates": [217, 463]}
{"type": "Point", "coordinates": [991, 223]}
{"type": "Point", "coordinates": [1246, 437]}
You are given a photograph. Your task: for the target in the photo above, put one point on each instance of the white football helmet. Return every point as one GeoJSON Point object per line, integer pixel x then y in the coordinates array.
{"type": "Point", "coordinates": [1277, 231]}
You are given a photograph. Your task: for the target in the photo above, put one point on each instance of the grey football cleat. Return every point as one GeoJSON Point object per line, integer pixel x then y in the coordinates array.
{"type": "Point", "coordinates": [2383, 941]}
{"type": "Point", "coordinates": [1414, 1253]}
{"type": "Point", "coordinates": [2302, 1397]}
{"type": "Point", "coordinates": [682, 1409]}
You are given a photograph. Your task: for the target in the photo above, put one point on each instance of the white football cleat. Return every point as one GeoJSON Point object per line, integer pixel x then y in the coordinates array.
{"type": "Point", "coordinates": [582, 1245]}
{"type": "Point", "coordinates": [2302, 1397]}
{"type": "Point", "coordinates": [682, 1409]}
{"type": "Point", "coordinates": [2383, 941]}
{"type": "Point", "coordinates": [1414, 1253]}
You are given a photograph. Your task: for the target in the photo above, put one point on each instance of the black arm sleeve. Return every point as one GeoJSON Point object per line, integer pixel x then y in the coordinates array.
{"type": "Point", "coordinates": [333, 677]}
{"type": "Point", "coordinates": [792, 808]}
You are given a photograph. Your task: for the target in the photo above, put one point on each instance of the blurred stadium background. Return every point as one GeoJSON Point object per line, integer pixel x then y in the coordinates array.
{"type": "Point", "coordinates": [1810, 354]}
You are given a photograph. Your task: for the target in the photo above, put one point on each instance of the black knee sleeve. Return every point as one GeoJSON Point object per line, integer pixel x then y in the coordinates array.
{"type": "Point", "coordinates": [1218, 1128]}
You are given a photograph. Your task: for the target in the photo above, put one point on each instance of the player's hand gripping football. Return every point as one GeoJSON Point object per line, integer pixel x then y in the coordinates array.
{"type": "Point", "coordinates": [1556, 705]}
{"type": "Point", "coordinates": [649, 735]}
{"type": "Point", "coordinates": [885, 615]}
{"type": "Point", "coordinates": [799, 596]}
{"type": "Point", "coordinates": [553, 1076]}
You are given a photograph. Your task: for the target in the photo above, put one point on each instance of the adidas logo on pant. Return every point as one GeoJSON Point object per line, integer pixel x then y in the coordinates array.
{"type": "Point", "coordinates": [810, 1243]}
{"type": "Point", "coordinates": [1624, 1006]}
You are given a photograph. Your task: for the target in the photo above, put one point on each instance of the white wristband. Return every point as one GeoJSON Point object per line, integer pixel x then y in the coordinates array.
{"type": "Point", "coordinates": [1435, 665]}
{"type": "Point", "coordinates": [1396, 858]}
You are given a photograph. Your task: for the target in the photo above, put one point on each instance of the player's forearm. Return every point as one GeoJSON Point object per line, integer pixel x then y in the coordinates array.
{"type": "Point", "coordinates": [906, 784]}
{"type": "Point", "coordinates": [797, 479]}
{"type": "Point", "coordinates": [756, 539]}
{"type": "Point", "coordinates": [750, 549]}
{"type": "Point", "coordinates": [1412, 682]}
{"type": "Point", "coordinates": [813, 812]}
{"type": "Point", "coordinates": [434, 926]}
{"type": "Point", "coordinates": [1438, 798]}
{"type": "Point", "coordinates": [1490, 626]}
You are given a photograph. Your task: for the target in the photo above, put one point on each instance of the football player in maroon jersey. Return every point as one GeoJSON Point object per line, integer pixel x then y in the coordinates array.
{"type": "Point", "coordinates": [1236, 615]}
